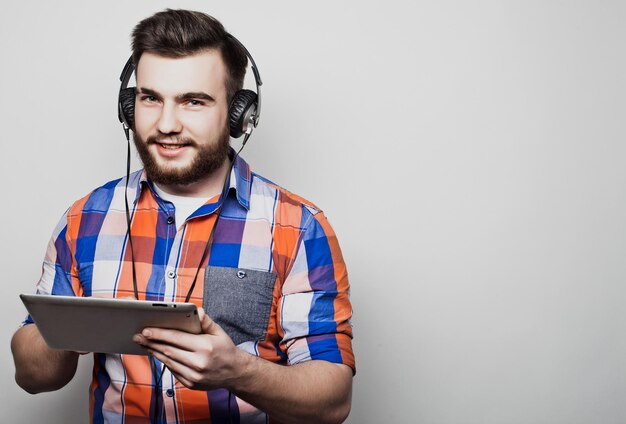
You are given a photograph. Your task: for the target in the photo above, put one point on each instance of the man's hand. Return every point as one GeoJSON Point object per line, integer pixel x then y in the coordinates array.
{"type": "Point", "coordinates": [204, 361]}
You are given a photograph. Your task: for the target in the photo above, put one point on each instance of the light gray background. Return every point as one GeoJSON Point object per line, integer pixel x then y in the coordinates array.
{"type": "Point", "coordinates": [470, 156]}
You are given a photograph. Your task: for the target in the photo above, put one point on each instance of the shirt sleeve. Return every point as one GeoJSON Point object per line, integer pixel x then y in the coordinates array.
{"type": "Point", "coordinates": [315, 309]}
{"type": "Point", "coordinates": [58, 273]}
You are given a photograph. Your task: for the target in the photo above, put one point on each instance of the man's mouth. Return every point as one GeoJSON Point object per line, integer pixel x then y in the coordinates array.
{"type": "Point", "coordinates": [171, 146]}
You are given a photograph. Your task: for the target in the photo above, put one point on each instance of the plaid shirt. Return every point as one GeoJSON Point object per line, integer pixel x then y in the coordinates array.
{"type": "Point", "coordinates": [263, 230]}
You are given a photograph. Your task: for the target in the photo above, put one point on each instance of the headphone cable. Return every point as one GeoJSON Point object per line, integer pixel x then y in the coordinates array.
{"type": "Point", "coordinates": [130, 239]}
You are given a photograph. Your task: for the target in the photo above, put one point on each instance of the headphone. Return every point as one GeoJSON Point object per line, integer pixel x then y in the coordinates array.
{"type": "Point", "coordinates": [244, 110]}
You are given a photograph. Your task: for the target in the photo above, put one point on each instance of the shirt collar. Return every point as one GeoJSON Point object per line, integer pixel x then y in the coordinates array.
{"type": "Point", "coordinates": [240, 181]}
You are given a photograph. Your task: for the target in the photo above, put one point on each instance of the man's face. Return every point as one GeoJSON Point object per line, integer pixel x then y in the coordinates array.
{"type": "Point", "coordinates": [181, 127]}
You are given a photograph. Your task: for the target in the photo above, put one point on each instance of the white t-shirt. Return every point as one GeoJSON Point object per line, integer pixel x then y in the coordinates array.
{"type": "Point", "coordinates": [184, 205]}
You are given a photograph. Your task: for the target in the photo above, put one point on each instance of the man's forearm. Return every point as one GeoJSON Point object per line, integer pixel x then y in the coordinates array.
{"type": "Point", "coordinates": [38, 368]}
{"type": "Point", "coordinates": [314, 391]}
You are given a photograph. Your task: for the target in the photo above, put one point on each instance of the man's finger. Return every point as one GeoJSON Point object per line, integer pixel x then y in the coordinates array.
{"type": "Point", "coordinates": [182, 372]}
{"type": "Point", "coordinates": [211, 327]}
{"type": "Point", "coordinates": [176, 338]}
{"type": "Point", "coordinates": [201, 313]}
{"type": "Point", "coordinates": [167, 353]}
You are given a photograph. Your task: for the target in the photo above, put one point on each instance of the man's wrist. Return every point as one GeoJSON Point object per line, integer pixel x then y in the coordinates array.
{"type": "Point", "coordinates": [246, 368]}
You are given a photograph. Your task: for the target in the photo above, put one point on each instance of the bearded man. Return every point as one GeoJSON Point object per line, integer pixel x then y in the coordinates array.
{"type": "Point", "coordinates": [273, 293]}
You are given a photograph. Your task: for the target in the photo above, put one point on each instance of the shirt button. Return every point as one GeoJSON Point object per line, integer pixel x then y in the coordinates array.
{"type": "Point", "coordinates": [169, 392]}
{"type": "Point", "coordinates": [171, 274]}
{"type": "Point", "coordinates": [170, 220]}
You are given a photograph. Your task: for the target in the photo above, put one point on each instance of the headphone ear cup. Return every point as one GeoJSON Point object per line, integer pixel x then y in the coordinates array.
{"type": "Point", "coordinates": [127, 107]}
{"type": "Point", "coordinates": [242, 106]}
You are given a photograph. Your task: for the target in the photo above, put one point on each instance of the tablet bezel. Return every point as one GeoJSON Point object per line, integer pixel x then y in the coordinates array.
{"type": "Point", "coordinates": [105, 325]}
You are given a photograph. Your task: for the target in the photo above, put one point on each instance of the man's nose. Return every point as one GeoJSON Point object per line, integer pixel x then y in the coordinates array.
{"type": "Point", "coordinates": [169, 121]}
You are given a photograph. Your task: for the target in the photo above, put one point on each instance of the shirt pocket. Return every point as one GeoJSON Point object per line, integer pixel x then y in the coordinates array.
{"type": "Point", "coordinates": [239, 300]}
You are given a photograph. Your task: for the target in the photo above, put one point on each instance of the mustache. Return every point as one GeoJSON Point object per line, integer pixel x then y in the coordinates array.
{"type": "Point", "coordinates": [168, 139]}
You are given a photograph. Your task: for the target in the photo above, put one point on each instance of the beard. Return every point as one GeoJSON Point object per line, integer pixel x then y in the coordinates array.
{"type": "Point", "coordinates": [208, 159]}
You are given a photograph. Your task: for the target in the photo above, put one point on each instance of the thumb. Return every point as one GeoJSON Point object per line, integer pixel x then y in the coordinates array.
{"type": "Point", "coordinates": [209, 326]}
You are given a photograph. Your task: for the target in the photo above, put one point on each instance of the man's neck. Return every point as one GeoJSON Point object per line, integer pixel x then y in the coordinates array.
{"type": "Point", "coordinates": [207, 187]}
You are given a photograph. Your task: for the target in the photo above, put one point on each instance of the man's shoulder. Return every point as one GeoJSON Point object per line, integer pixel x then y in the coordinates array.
{"type": "Point", "coordinates": [264, 190]}
{"type": "Point", "coordinates": [101, 198]}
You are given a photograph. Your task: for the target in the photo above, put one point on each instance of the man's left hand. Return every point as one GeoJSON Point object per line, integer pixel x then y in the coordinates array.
{"type": "Point", "coordinates": [204, 361]}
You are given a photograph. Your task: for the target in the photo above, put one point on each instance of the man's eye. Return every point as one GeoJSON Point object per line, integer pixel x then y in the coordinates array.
{"type": "Point", "coordinates": [194, 102]}
{"type": "Point", "coordinates": [149, 99]}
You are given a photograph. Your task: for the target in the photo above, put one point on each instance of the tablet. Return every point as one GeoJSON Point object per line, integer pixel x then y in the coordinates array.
{"type": "Point", "coordinates": [91, 324]}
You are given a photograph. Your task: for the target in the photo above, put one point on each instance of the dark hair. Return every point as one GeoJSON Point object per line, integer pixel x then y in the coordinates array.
{"type": "Point", "coordinates": [178, 33]}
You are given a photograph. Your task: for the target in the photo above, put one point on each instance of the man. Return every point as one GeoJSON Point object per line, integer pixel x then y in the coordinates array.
{"type": "Point", "coordinates": [272, 280]}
